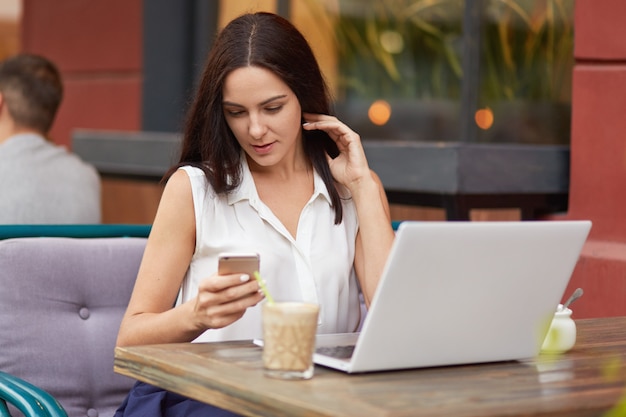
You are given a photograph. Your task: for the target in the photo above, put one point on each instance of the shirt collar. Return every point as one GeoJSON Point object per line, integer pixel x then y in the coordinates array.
{"type": "Point", "coordinates": [25, 138]}
{"type": "Point", "coordinates": [247, 189]}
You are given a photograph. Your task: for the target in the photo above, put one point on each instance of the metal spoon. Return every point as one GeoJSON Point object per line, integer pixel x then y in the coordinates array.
{"type": "Point", "coordinates": [575, 296]}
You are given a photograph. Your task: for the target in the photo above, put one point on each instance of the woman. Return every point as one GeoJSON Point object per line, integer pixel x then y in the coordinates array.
{"type": "Point", "coordinates": [264, 168]}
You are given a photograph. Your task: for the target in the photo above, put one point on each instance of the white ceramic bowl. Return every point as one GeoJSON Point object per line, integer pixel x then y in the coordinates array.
{"type": "Point", "coordinates": [561, 336]}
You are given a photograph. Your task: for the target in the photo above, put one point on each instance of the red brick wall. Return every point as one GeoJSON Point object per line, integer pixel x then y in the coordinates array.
{"type": "Point", "coordinates": [598, 155]}
{"type": "Point", "coordinates": [97, 45]}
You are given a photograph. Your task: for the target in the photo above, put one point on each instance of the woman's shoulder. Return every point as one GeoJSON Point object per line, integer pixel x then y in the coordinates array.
{"type": "Point", "coordinates": [196, 177]}
{"type": "Point", "coordinates": [189, 179]}
{"type": "Point", "coordinates": [192, 171]}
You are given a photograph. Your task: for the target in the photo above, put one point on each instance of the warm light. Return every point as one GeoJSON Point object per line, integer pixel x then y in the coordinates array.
{"type": "Point", "coordinates": [391, 41]}
{"type": "Point", "coordinates": [379, 112]}
{"type": "Point", "coordinates": [484, 118]}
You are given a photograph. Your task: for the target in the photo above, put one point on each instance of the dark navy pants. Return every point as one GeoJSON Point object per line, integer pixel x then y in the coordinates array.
{"type": "Point", "coordinates": [146, 400]}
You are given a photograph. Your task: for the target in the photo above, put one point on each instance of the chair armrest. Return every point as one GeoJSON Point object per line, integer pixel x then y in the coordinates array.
{"type": "Point", "coordinates": [29, 399]}
{"type": "Point", "coordinates": [8, 231]}
{"type": "Point", "coordinates": [4, 411]}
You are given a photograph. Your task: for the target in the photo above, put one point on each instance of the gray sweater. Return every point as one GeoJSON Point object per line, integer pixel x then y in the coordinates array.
{"type": "Point", "coordinates": [42, 183]}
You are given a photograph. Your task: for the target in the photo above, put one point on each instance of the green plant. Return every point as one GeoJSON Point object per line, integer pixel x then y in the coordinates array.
{"type": "Point", "coordinates": [400, 49]}
{"type": "Point", "coordinates": [413, 49]}
{"type": "Point", "coordinates": [527, 50]}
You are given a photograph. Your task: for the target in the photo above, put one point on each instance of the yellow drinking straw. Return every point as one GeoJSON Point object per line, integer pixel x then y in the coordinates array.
{"type": "Point", "coordinates": [268, 297]}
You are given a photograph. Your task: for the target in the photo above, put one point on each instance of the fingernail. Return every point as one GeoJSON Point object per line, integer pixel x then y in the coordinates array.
{"type": "Point", "coordinates": [244, 278]}
{"type": "Point", "coordinates": [260, 291]}
{"type": "Point", "coordinates": [305, 123]}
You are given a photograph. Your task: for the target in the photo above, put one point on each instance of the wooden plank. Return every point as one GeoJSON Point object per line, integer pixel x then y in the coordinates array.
{"type": "Point", "coordinates": [131, 154]}
{"type": "Point", "coordinates": [418, 167]}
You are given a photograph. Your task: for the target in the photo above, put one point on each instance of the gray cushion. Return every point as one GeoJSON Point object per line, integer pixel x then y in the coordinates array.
{"type": "Point", "coordinates": [61, 303]}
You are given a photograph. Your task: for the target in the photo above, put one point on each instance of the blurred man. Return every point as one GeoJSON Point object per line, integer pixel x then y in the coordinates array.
{"type": "Point", "coordinates": [40, 182]}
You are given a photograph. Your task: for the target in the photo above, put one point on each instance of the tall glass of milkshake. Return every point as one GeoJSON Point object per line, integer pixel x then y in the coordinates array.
{"type": "Point", "coordinates": [289, 330]}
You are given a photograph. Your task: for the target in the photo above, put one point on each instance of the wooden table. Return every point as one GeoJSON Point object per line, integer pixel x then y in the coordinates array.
{"type": "Point", "coordinates": [587, 381]}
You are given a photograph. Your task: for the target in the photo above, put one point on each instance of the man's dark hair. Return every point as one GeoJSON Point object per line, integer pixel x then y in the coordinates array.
{"type": "Point", "coordinates": [32, 90]}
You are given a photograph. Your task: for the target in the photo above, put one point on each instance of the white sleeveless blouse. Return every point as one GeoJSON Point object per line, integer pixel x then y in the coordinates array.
{"type": "Point", "coordinates": [317, 266]}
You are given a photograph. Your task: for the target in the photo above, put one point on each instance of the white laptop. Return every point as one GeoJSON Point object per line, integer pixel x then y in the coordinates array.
{"type": "Point", "coordinates": [463, 292]}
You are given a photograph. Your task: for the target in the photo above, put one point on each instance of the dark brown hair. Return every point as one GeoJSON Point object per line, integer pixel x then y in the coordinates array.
{"type": "Point", "coordinates": [32, 89]}
{"type": "Point", "coordinates": [262, 40]}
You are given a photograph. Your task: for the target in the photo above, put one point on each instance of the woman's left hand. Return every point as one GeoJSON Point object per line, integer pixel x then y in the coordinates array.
{"type": "Point", "coordinates": [350, 166]}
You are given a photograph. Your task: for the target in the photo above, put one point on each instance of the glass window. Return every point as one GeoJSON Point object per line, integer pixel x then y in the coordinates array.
{"type": "Point", "coordinates": [401, 70]}
{"type": "Point", "coordinates": [526, 62]}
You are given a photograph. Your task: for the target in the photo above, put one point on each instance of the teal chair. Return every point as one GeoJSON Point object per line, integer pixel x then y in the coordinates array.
{"type": "Point", "coordinates": [29, 399]}
{"type": "Point", "coordinates": [8, 231]}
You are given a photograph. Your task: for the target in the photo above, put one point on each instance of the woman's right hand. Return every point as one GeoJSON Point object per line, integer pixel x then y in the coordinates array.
{"type": "Point", "coordinates": [223, 299]}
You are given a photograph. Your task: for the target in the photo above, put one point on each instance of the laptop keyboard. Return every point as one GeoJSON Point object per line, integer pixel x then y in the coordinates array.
{"type": "Point", "coordinates": [339, 352]}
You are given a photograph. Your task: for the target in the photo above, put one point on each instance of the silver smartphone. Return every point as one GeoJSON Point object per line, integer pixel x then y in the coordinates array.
{"type": "Point", "coordinates": [238, 263]}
